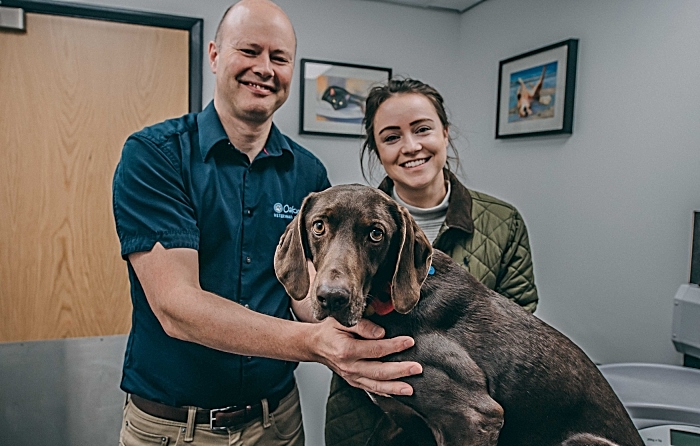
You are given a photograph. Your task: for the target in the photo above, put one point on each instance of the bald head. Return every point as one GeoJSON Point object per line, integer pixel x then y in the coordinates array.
{"type": "Point", "coordinates": [248, 8]}
{"type": "Point", "coordinates": [252, 57]}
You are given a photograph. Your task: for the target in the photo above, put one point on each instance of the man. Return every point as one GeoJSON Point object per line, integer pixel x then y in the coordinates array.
{"type": "Point", "coordinates": [199, 204]}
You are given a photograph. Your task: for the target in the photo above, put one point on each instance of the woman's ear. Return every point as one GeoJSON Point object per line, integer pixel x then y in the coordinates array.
{"type": "Point", "coordinates": [415, 254]}
{"type": "Point", "coordinates": [291, 256]}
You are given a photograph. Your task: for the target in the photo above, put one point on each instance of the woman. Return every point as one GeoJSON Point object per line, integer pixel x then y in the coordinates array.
{"type": "Point", "coordinates": [407, 130]}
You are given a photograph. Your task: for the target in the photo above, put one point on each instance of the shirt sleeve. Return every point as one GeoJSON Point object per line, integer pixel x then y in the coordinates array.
{"type": "Point", "coordinates": [150, 201]}
{"type": "Point", "coordinates": [517, 281]}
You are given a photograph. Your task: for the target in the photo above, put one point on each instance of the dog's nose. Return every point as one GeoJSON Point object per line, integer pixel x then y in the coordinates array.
{"type": "Point", "coordinates": [332, 298]}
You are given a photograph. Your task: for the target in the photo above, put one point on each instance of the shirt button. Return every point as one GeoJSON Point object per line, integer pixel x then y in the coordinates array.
{"type": "Point", "coordinates": [248, 212]}
{"type": "Point", "coordinates": [246, 305]}
{"type": "Point", "coordinates": [248, 260]}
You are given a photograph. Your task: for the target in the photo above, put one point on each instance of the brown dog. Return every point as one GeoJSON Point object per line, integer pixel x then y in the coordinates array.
{"type": "Point", "coordinates": [492, 372]}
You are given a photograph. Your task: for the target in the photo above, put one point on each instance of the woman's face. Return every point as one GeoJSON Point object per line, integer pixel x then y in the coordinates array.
{"type": "Point", "coordinates": [411, 144]}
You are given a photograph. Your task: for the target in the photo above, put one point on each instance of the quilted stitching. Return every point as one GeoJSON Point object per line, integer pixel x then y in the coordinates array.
{"type": "Point", "coordinates": [498, 251]}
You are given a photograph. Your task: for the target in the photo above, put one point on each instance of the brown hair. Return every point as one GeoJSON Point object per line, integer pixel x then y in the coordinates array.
{"type": "Point", "coordinates": [398, 86]}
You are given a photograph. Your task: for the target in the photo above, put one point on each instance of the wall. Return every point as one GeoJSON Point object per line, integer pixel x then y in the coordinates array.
{"type": "Point", "coordinates": [609, 209]}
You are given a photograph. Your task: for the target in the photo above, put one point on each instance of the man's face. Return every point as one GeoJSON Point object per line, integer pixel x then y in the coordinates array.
{"type": "Point", "coordinates": [253, 61]}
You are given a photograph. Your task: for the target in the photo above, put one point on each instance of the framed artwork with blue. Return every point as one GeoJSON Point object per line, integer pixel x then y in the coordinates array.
{"type": "Point", "coordinates": [333, 96]}
{"type": "Point", "coordinates": [536, 92]}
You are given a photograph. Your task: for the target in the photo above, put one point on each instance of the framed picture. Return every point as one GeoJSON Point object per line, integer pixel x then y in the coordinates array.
{"type": "Point", "coordinates": [333, 96]}
{"type": "Point", "coordinates": [536, 92]}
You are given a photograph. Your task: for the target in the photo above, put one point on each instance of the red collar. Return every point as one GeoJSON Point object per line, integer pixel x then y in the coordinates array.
{"type": "Point", "coordinates": [380, 305]}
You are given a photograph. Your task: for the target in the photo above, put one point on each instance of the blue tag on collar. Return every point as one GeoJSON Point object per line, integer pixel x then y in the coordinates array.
{"type": "Point", "coordinates": [431, 271]}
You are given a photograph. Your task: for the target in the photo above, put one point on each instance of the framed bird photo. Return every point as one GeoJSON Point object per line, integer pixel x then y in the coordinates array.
{"type": "Point", "coordinates": [536, 92]}
{"type": "Point", "coordinates": [333, 96]}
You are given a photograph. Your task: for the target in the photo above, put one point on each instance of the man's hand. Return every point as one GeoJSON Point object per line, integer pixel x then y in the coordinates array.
{"type": "Point", "coordinates": [353, 354]}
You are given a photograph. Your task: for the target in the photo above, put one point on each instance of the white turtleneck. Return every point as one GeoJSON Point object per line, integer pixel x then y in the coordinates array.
{"type": "Point", "coordinates": [429, 219]}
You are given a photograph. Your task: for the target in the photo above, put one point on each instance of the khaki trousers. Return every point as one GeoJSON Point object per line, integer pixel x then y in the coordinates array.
{"type": "Point", "coordinates": [283, 427]}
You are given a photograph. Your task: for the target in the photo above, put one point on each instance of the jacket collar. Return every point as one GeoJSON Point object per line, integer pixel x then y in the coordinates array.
{"type": "Point", "coordinates": [459, 211]}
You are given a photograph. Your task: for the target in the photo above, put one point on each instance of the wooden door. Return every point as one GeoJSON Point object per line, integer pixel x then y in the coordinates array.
{"type": "Point", "coordinates": [71, 91]}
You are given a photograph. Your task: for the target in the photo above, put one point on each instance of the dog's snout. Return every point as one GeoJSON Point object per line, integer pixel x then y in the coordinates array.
{"type": "Point", "coordinates": [332, 298]}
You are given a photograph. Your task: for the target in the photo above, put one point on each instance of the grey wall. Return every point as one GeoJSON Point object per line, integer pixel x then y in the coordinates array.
{"type": "Point", "coordinates": [609, 209]}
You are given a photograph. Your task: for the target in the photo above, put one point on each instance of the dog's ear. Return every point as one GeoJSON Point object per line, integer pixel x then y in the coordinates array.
{"type": "Point", "coordinates": [412, 265]}
{"type": "Point", "coordinates": [291, 254]}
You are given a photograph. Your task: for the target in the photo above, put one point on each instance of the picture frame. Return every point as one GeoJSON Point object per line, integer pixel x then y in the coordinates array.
{"type": "Point", "coordinates": [333, 94]}
{"type": "Point", "coordinates": [536, 92]}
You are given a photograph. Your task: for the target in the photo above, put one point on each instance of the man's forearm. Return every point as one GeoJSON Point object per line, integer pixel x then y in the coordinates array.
{"type": "Point", "coordinates": [210, 320]}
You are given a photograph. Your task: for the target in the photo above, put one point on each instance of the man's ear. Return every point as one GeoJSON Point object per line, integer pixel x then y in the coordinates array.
{"type": "Point", "coordinates": [415, 254]}
{"type": "Point", "coordinates": [291, 255]}
{"type": "Point", "coordinates": [213, 56]}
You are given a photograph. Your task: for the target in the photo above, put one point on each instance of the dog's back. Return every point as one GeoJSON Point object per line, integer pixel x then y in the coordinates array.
{"type": "Point", "coordinates": [548, 388]}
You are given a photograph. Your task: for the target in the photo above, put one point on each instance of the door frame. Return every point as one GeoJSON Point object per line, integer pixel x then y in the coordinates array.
{"type": "Point", "coordinates": [194, 26]}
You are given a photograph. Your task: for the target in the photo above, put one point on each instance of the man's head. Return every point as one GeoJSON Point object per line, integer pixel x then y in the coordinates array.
{"type": "Point", "coordinates": [252, 56]}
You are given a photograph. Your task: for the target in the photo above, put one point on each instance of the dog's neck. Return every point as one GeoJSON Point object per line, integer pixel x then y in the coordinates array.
{"type": "Point", "coordinates": [380, 302]}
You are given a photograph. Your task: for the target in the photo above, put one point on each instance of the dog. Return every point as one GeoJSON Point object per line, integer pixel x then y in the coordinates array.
{"type": "Point", "coordinates": [492, 372]}
{"type": "Point", "coordinates": [526, 96]}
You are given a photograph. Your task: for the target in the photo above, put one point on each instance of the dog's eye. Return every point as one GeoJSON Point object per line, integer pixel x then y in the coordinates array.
{"type": "Point", "coordinates": [376, 235]}
{"type": "Point", "coordinates": [318, 227]}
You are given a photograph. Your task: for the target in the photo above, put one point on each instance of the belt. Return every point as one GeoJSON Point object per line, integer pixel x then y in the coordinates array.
{"type": "Point", "coordinates": [230, 417]}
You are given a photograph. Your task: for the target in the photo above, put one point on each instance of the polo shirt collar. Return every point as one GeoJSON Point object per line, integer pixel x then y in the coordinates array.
{"type": "Point", "coordinates": [211, 133]}
{"type": "Point", "coordinates": [459, 210]}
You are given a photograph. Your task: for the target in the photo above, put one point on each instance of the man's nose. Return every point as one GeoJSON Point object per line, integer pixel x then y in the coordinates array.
{"type": "Point", "coordinates": [263, 66]}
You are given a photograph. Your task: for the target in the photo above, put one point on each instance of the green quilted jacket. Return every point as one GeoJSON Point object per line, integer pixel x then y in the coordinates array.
{"type": "Point", "coordinates": [488, 238]}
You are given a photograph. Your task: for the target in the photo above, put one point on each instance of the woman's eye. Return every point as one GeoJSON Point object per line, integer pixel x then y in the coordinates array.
{"type": "Point", "coordinates": [391, 138]}
{"type": "Point", "coordinates": [376, 235]}
{"type": "Point", "coordinates": [422, 129]}
{"type": "Point", "coordinates": [318, 228]}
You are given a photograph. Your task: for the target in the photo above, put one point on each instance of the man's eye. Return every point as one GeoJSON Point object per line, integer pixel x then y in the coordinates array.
{"type": "Point", "coordinates": [318, 227]}
{"type": "Point", "coordinates": [376, 235]}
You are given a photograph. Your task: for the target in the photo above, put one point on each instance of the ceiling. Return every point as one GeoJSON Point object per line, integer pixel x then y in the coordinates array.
{"type": "Point", "coordinates": [450, 5]}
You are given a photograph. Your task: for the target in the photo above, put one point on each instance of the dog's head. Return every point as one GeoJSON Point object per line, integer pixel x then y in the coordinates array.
{"type": "Point", "coordinates": [360, 241]}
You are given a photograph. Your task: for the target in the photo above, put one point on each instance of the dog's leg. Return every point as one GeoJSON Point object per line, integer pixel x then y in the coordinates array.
{"type": "Point", "coordinates": [451, 394]}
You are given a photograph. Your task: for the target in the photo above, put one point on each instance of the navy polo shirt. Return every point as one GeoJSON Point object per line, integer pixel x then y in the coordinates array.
{"type": "Point", "coordinates": [181, 183]}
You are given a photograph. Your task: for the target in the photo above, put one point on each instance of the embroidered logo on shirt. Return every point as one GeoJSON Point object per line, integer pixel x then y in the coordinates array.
{"type": "Point", "coordinates": [284, 211]}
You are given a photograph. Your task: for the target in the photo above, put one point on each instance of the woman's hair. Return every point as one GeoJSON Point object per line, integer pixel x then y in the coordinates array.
{"type": "Point", "coordinates": [398, 86]}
